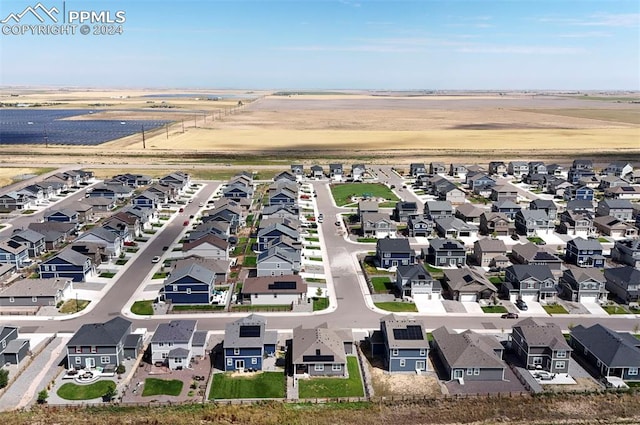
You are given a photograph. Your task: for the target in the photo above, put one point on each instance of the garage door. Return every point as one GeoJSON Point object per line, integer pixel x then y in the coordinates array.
{"type": "Point", "coordinates": [589, 298]}
{"type": "Point", "coordinates": [468, 298]}
{"type": "Point", "coordinates": [530, 298]}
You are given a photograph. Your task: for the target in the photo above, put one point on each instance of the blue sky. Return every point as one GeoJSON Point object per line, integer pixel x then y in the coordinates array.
{"type": "Point", "coordinates": [347, 44]}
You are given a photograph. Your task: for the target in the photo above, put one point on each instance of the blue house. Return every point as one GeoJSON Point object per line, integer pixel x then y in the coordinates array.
{"type": "Point", "coordinates": [62, 216]}
{"type": "Point", "coordinates": [394, 252]}
{"type": "Point", "coordinates": [584, 192]}
{"type": "Point", "coordinates": [192, 284]}
{"type": "Point", "coordinates": [247, 343]}
{"type": "Point", "coordinates": [402, 343]}
{"type": "Point", "coordinates": [13, 252]}
{"type": "Point", "coordinates": [67, 263]}
{"type": "Point", "coordinates": [584, 253]}
{"type": "Point", "coordinates": [273, 233]}
{"type": "Point", "coordinates": [506, 207]}
{"type": "Point", "coordinates": [146, 200]}
{"type": "Point", "coordinates": [282, 196]}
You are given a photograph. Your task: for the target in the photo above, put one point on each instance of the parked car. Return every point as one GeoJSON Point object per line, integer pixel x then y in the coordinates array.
{"type": "Point", "coordinates": [155, 259]}
{"type": "Point", "coordinates": [185, 223]}
{"type": "Point", "coordinates": [543, 375]}
{"type": "Point", "coordinates": [522, 305]}
{"type": "Point", "coordinates": [181, 210]}
{"type": "Point", "coordinates": [165, 248]}
{"type": "Point", "coordinates": [510, 316]}
{"type": "Point", "coordinates": [515, 237]}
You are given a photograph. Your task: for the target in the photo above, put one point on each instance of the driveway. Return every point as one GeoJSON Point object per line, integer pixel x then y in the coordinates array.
{"type": "Point", "coordinates": [594, 308]}
{"type": "Point", "coordinates": [428, 306]}
{"type": "Point", "coordinates": [535, 309]}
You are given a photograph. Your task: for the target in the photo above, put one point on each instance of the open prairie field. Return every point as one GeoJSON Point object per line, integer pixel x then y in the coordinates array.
{"type": "Point", "coordinates": [10, 175]}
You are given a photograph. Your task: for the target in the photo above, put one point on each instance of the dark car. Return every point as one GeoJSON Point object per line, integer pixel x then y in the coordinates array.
{"type": "Point", "coordinates": [515, 237]}
{"type": "Point", "coordinates": [165, 248]}
{"type": "Point", "coordinates": [233, 240]}
{"type": "Point", "coordinates": [510, 316]}
{"type": "Point", "coordinates": [522, 305]}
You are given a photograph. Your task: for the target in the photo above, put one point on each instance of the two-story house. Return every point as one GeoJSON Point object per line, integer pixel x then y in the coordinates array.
{"type": "Point", "coordinates": [377, 225]}
{"type": "Point", "coordinates": [336, 172]}
{"type": "Point", "coordinates": [533, 222]}
{"type": "Point", "coordinates": [438, 209]}
{"type": "Point", "coordinates": [172, 344]}
{"type": "Point", "coordinates": [403, 210]}
{"type": "Point", "coordinates": [13, 252]}
{"type": "Point", "coordinates": [506, 207]}
{"type": "Point", "coordinates": [490, 252]}
{"type": "Point", "coordinates": [191, 284]}
{"type": "Point", "coordinates": [67, 263]}
{"type": "Point", "coordinates": [529, 283]}
{"type": "Point", "coordinates": [419, 226]}
{"type": "Point", "coordinates": [34, 241]}
{"type": "Point", "coordinates": [247, 343]}
{"type": "Point", "coordinates": [402, 343]}
{"type": "Point", "coordinates": [357, 172]}
{"type": "Point", "coordinates": [320, 351]}
{"type": "Point", "coordinates": [530, 253]}
{"type": "Point", "coordinates": [415, 279]}
{"type": "Point", "coordinates": [445, 253]}
{"type": "Point", "coordinates": [584, 285]}
{"type": "Point", "coordinates": [496, 223]}
{"type": "Point", "coordinates": [622, 209]}
{"type": "Point", "coordinates": [541, 346]}
{"type": "Point", "coordinates": [278, 261]}
{"type": "Point", "coordinates": [394, 252]}
{"type": "Point", "coordinates": [576, 223]}
{"type": "Point", "coordinates": [468, 284]}
{"type": "Point", "coordinates": [627, 251]}
{"type": "Point", "coordinates": [584, 253]}
{"type": "Point", "coordinates": [624, 282]}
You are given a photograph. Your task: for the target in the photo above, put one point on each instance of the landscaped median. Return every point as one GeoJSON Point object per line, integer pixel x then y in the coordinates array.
{"type": "Point", "coordinates": [334, 387]}
{"type": "Point", "coordinates": [254, 385]}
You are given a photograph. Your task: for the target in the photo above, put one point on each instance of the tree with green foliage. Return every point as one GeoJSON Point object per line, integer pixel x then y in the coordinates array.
{"type": "Point", "coordinates": [110, 394]}
{"type": "Point", "coordinates": [121, 369]}
{"type": "Point", "coordinates": [4, 378]}
{"type": "Point", "coordinates": [43, 396]}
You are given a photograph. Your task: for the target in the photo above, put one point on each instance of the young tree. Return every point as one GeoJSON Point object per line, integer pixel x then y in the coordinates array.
{"type": "Point", "coordinates": [4, 378]}
{"type": "Point", "coordinates": [110, 394]}
{"type": "Point", "coordinates": [43, 396]}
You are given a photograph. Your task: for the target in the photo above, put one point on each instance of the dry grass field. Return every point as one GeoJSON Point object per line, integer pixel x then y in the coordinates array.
{"type": "Point", "coordinates": [8, 174]}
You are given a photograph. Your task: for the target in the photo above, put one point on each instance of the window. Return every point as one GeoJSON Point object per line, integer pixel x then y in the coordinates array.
{"type": "Point", "coordinates": [560, 365]}
{"type": "Point", "coordinates": [34, 299]}
{"type": "Point", "coordinates": [236, 351]}
{"type": "Point", "coordinates": [78, 360]}
{"type": "Point", "coordinates": [188, 290]}
{"type": "Point", "coordinates": [175, 288]}
{"type": "Point", "coordinates": [537, 360]}
{"type": "Point", "coordinates": [94, 349]}
{"type": "Point", "coordinates": [476, 371]}
{"type": "Point", "coordinates": [78, 350]}
{"type": "Point", "coordinates": [318, 367]}
{"type": "Point", "coordinates": [633, 371]}
{"type": "Point", "coordinates": [423, 352]}
{"type": "Point", "coordinates": [562, 354]}
{"type": "Point", "coordinates": [12, 300]}
{"type": "Point", "coordinates": [165, 355]}
{"type": "Point", "coordinates": [275, 295]}
{"type": "Point", "coordinates": [598, 363]}
{"type": "Point", "coordinates": [387, 255]}
{"type": "Point", "coordinates": [4, 344]}
{"type": "Point", "coordinates": [469, 371]}
{"type": "Point", "coordinates": [394, 352]}
{"type": "Point", "coordinates": [254, 360]}
{"type": "Point", "coordinates": [336, 367]}
{"type": "Point", "coordinates": [105, 359]}
{"type": "Point", "coordinates": [177, 360]}
{"type": "Point", "coordinates": [229, 362]}
{"type": "Point", "coordinates": [403, 362]}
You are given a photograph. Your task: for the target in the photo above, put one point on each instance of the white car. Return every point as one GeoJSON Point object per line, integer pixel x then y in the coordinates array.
{"type": "Point", "coordinates": [155, 259]}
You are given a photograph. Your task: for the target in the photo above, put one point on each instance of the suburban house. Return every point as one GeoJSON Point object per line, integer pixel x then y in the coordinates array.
{"type": "Point", "coordinates": [12, 252]}
{"type": "Point", "coordinates": [127, 225]}
{"type": "Point", "coordinates": [506, 207]}
{"type": "Point", "coordinates": [237, 192]}
{"type": "Point", "coordinates": [469, 213]}
{"type": "Point", "coordinates": [452, 227]}
{"type": "Point", "coordinates": [501, 193]}
{"type": "Point", "coordinates": [576, 223]}
{"type": "Point", "coordinates": [417, 169]}
{"type": "Point", "coordinates": [490, 253]}
{"type": "Point", "coordinates": [495, 223]}
{"type": "Point", "coordinates": [283, 195]}
{"type": "Point", "coordinates": [611, 226]}
{"type": "Point", "coordinates": [545, 205]}
{"type": "Point", "coordinates": [274, 290]}
{"type": "Point", "coordinates": [622, 209]}
{"type": "Point", "coordinates": [14, 201]}
{"type": "Point", "coordinates": [36, 292]}
{"type": "Point", "coordinates": [614, 354]}
{"type": "Point", "coordinates": [438, 209]}
{"type": "Point", "coordinates": [321, 351]}
{"type": "Point", "coordinates": [419, 226]}
{"type": "Point", "coordinates": [247, 343]}
{"type": "Point", "coordinates": [621, 169]}
{"type": "Point", "coordinates": [402, 343]}
{"type": "Point", "coordinates": [229, 213]}
{"type": "Point", "coordinates": [377, 225]}
{"type": "Point", "coordinates": [468, 285]}
{"type": "Point", "coordinates": [278, 261]}
{"type": "Point", "coordinates": [582, 193]}
{"type": "Point", "coordinates": [67, 264]}
{"type": "Point", "coordinates": [541, 346]}
{"type": "Point", "coordinates": [530, 282]}
{"type": "Point", "coordinates": [518, 168]}
{"type": "Point", "coordinates": [62, 215]}
{"type": "Point", "coordinates": [172, 344]}
{"type": "Point", "coordinates": [479, 180]}
{"type": "Point", "coordinates": [627, 251]}
{"type": "Point", "coordinates": [623, 192]}
{"type": "Point", "coordinates": [33, 240]}
{"type": "Point", "coordinates": [415, 279]}
{"type": "Point", "coordinates": [449, 192]}
{"type": "Point", "coordinates": [101, 236]}
{"type": "Point", "coordinates": [111, 191]}
{"type": "Point", "coordinates": [291, 212]}
{"type": "Point", "coordinates": [555, 169]}
{"type": "Point", "coordinates": [437, 168]}
{"type": "Point", "coordinates": [12, 348]}
{"type": "Point", "coordinates": [469, 356]}
{"type": "Point", "coordinates": [584, 253]}
{"type": "Point", "coordinates": [584, 285]}
{"type": "Point", "coordinates": [623, 282]}
{"type": "Point", "coordinates": [403, 210]}
{"type": "Point", "coordinates": [533, 222]}
{"type": "Point", "coordinates": [497, 168]}
{"type": "Point", "coordinates": [365, 207]}
{"type": "Point", "coordinates": [357, 172]}
{"type": "Point", "coordinates": [220, 268]}
{"type": "Point", "coordinates": [394, 252]}
{"type": "Point", "coordinates": [317, 172]}
{"type": "Point", "coordinates": [458, 170]}
{"type": "Point", "coordinates": [101, 206]}
{"type": "Point", "coordinates": [147, 199]}
{"type": "Point", "coordinates": [208, 246]}
{"type": "Point", "coordinates": [274, 232]}
{"type": "Point", "coordinates": [179, 180]}
{"type": "Point", "coordinates": [445, 253]}
{"type": "Point", "coordinates": [133, 180]}
{"type": "Point", "coordinates": [530, 253]}
{"type": "Point", "coordinates": [103, 345]}
{"type": "Point", "coordinates": [335, 172]}
{"type": "Point", "coordinates": [192, 284]}
{"type": "Point", "coordinates": [289, 176]}
{"type": "Point", "coordinates": [558, 187]}
{"type": "Point", "coordinates": [298, 171]}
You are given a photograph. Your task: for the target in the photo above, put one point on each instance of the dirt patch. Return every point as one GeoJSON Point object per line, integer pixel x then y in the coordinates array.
{"type": "Point", "coordinates": [400, 384]}
{"type": "Point", "coordinates": [582, 384]}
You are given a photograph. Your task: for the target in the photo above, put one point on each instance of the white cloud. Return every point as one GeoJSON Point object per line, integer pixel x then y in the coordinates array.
{"type": "Point", "coordinates": [598, 20]}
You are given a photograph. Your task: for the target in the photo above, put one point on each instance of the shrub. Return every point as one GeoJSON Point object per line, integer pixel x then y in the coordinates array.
{"type": "Point", "coordinates": [43, 396]}
{"type": "Point", "coordinates": [121, 369]}
{"type": "Point", "coordinates": [4, 378]}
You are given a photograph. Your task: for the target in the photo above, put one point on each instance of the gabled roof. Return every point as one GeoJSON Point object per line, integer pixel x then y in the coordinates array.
{"type": "Point", "coordinates": [538, 334]}
{"type": "Point", "coordinates": [581, 274]}
{"type": "Point", "coordinates": [273, 209]}
{"type": "Point", "coordinates": [469, 210]}
{"type": "Point", "coordinates": [506, 204]}
{"type": "Point", "coordinates": [533, 215]}
{"type": "Point", "coordinates": [70, 256]}
{"type": "Point", "coordinates": [36, 287]}
{"type": "Point", "coordinates": [206, 239]}
{"type": "Point", "coordinates": [608, 221]}
{"type": "Point", "coordinates": [280, 228]}
{"type": "Point", "coordinates": [67, 212]}
{"type": "Point", "coordinates": [539, 272]}
{"type": "Point", "coordinates": [416, 271]}
{"type": "Point", "coordinates": [406, 206]}
{"type": "Point", "coordinates": [543, 204]}
{"type": "Point", "coordinates": [579, 204]}
{"type": "Point", "coordinates": [437, 206]}
{"type": "Point", "coordinates": [374, 217]}
{"type": "Point", "coordinates": [404, 333]}
{"type": "Point", "coordinates": [468, 349]}
{"type": "Point", "coordinates": [467, 279]}
{"type": "Point", "coordinates": [617, 203]}
{"type": "Point", "coordinates": [491, 245]}
{"type": "Point", "coordinates": [614, 349]}
{"type": "Point", "coordinates": [292, 284]}
{"type": "Point", "coordinates": [177, 331]}
{"type": "Point", "coordinates": [278, 251]}
{"type": "Point", "coordinates": [455, 223]}
{"type": "Point", "coordinates": [28, 235]}
{"type": "Point", "coordinates": [586, 244]}
{"type": "Point", "coordinates": [101, 334]}
{"type": "Point", "coordinates": [321, 341]}
{"type": "Point", "coordinates": [215, 266]}
{"type": "Point", "coordinates": [393, 245]}
{"type": "Point", "coordinates": [193, 270]}
{"type": "Point", "coordinates": [246, 332]}
{"type": "Point", "coordinates": [100, 233]}
{"type": "Point", "coordinates": [533, 253]}
{"type": "Point", "coordinates": [624, 274]}
{"type": "Point", "coordinates": [439, 244]}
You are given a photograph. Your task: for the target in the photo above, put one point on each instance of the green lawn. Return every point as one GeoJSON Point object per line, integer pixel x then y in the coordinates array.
{"type": "Point", "coordinates": [313, 239]}
{"type": "Point", "coordinates": [334, 387]}
{"type": "Point", "coordinates": [342, 193]}
{"type": "Point", "coordinates": [121, 262]}
{"type": "Point", "coordinates": [603, 240]}
{"type": "Point", "coordinates": [382, 284]}
{"type": "Point", "coordinates": [555, 309]}
{"type": "Point", "coordinates": [261, 385]}
{"type": "Point", "coordinates": [367, 240]}
{"type": "Point", "coordinates": [250, 261]}
{"type": "Point", "coordinates": [71, 391]}
{"type": "Point", "coordinates": [159, 275]}
{"type": "Point", "coordinates": [432, 269]}
{"type": "Point", "coordinates": [107, 274]}
{"type": "Point", "coordinates": [154, 386]}
{"type": "Point", "coordinates": [315, 258]}
{"type": "Point", "coordinates": [397, 306]}
{"type": "Point", "coordinates": [320, 303]}
{"type": "Point", "coordinates": [371, 269]}
{"type": "Point", "coordinates": [494, 309]}
{"type": "Point", "coordinates": [143, 307]}
{"type": "Point", "coordinates": [496, 280]}
{"type": "Point", "coordinates": [615, 309]}
{"type": "Point", "coordinates": [536, 240]}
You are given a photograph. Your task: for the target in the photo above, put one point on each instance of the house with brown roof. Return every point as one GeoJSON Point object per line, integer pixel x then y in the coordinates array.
{"type": "Point", "coordinates": [208, 246]}
{"type": "Point", "coordinates": [468, 285]}
{"type": "Point", "coordinates": [490, 253]}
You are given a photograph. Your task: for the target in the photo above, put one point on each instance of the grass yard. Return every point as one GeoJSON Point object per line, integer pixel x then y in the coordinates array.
{"type": "Point", "coordinates": [121, 262]}
{"type": "Point", "coordinates": [615, 309]}
{"type": "Point", "coordinates": [71, 391]}
{"type": "Point", "coordinates": [496, 280]}
{"type": "Point", "coordinates": [367, 240]}
{"type": "Point", "coordinates": [334, 387]}
{"type": "Point", "coordinates": [159, 275]}
{"type": "Point", "coordinates": [320, 303]}
{"type": "Point", "coordinates": [494, 309]}
{"type": "Point", "coordinates": [382, 284]}
{"type": "Point", "coordinates": [250, 261]}
{"type": "Point", "coordinates": [108, 275]}
{"type": "Point", "coordinates": [536, 240]}
{"type": "Point", "coordinates": [260, 385]}
{"type": "Point", "coordinates": [73, 306]}
{"type": "Point", "coordinates": [143, 307]}
{"type": "Point", "coordinates": [397, 306]}
{"type": "Point", "coordinates": [342, 193]}
{"type": "Point", "coordinates": [154, 386]}
{"type": "Point", "coordinates": [555, 309]}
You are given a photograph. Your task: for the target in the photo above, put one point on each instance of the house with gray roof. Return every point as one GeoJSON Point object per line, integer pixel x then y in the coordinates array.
{"type": "Point", "coordinates": [530, 283]}
{"type": "Point", "coordinates": [622, 209]}
{"type": "Point", "coordinates": [533, 222]}
{"type": "Point", "coordinates": [468, 285]}
{"type": "Point", "coordinates": [584, 285]}
{"type": "Point", "coordinates": [34, 241]}
{"type": "Point", "coordinates": [623, 169]}
{"type": "Point", "coordinates": [546, 205]}
{"type": "Point", "coordinates": [624, 282]}
{"type": "Point", "coordinates": [365, 207]}
{"type": "Point", "coordinates": [336, 172]}
{"type": "Point", "coordinates": [469, 213]}
{"type": "Point", "coordinates": [452, 227]}
{"type": "Point", "coordinates": [437, 168]}
{"type": "Point", "coordinates": [291, 212]}
{"type": "Point", "coordinates": [438, 209]}
{"type": "Point", "coordinates": [394, 252]}
{"type": "Point", "coordinates": [445, 253]}
{"type": "Point", "coordinates": [627, 251]}
{"type": "Point", "coordinates": [402, 343]}
{"type": "Point", "coordinates": [13, 252]}
{"type": "Point", "coordinates": [172, 344]}
{"type": "Point", "coordinates": [247, 343]}
{"type": "Point", "coordinates": [613, 354]}
{"type": "Point", "coordinates": [518, 169]}
{"type": "Point", "coordinates": [403, 210]}
{"type": "Point", "coordinates": [584, 253]}
{"type": "Point", "coordinates": [357, 172]}
{"type": "Point", "coordinates": [12, 348]}
{"type": "Point", "coordinates": [273, 232]}
{"type": "Point", "coordinates": [101, 345]}
{"type": "Point", "coordinates": [541, 346]}
{"type": "Point", "coordinates": [274, 290]}
{"type": "Point", "coordinates": [496, 223]}
{"type": "Point", "coordinates": [469, 356]}
{"type": "Point", "coordinates": [64, 215]}
{"type": "Point", "coordinates": [321, 351]}
{"type": "Point", "coordinates": [415, 279]}
{"type": "Point", "coordinates": [36, 292]}
{"type": "Point", "coordinates": [278, 261]}
{"type": "Point", "coordinates": [576, 223]}
{"type": "Point", "coordinates": [317, 172]}
{"type": "Point", "coordinates": [67, 263]}
{"type": "Point", "coordinates": [530, 253]}
{"type": "Point", "coordinates": [191, 284]}
{"type": "Point", "coordinates": [417, 169]}
{"type": "Point", "coordinates": [99, 235]}
{"type": "Point", "coordinates": [419, 226]}
{"type": "Point", "coordinates": [611, 226]}
{"type": "Point", "coordinates": [490, 252]}
{"type": "Point", "coordinates": [377, 225]}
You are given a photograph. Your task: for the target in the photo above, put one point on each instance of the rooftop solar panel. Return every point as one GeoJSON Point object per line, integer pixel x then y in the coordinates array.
{"type": "Point", "coordinates": [249, 331]}
{"type": "Point", "coordinates": [411, 332]}
{"type": "Point", "coordinates": [282, 285]}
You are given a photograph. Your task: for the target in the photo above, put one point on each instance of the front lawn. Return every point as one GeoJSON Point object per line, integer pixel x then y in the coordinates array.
{"type": "Point", "coordinates": [342, 193]}
{"type": "Point", "coordinates": [494, 309]}
{"type": "Point", "coordinates": [320, 303]}
{"type": "Point", "coordinates": [159, 275]}
{"type": "Point", "coordinates": [381, 284]}
{"type": "Point", "coordinates": [154, 386]}
{"type": "Point", "coordinates": [250, 261]}
{"type": "Point", "coordinates": [71, 391]}
{"type": "Point", "coordinates": [73, 306]}
{"type": "Point", "coordinates": [334, 387]}
{"type": "Point", "coordinates": [397, 306]}
{"type": "Point", "coordinates": [260, 385]}
{"type": "Point", "coordinates": [121, 262]}
{"type": "Point", "coordinates": [143, 307]}
{"type": "Point", "coordinates": [536, 240]}
{"type": "Point", "coordinates": [615, 309]}
{"type": "Point", "coordinates": [555, 309]}
{"type": "Point", "coordinates": [367, 240]}
{"type": "Point", "coordinates": [108, 275]}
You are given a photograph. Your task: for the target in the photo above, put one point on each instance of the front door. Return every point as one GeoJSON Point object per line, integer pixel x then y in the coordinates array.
{"type": "Point", "coordinates": [458, 373]}
{"type": "Point", "coordinates": [420, 365]}
{"type": "Point", "coordinates": [239, 364]}
{"type": "Point", "coordinates": [90, 363]}
{"type": "Point", "coordinates": [452, 262]}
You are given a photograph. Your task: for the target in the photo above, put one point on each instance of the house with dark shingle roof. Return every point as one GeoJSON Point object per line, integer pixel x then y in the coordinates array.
{"type": "Point", "coordinates": [377, 225]}
{"type": "Point", "coordinates": [67, 263]}
{"type": "Point", "coordinates": [533, 222]}
{"type": "Point", "coordinates": [419, 226]}
{"type": "Point", "coordinates": [490, 253]}
{"type": "Point", "coordinates": [584, 285]}
{"type": "Point", "coordinates": [584, 253]}
{"type": "Point", "coordinates": [207, 246]}
{"type": "Point", "coordinates": [611, 226]}
{"type": "Point", "coordinates": [12, 348]}
{"type": "Point", "coordinates": [469, 213]}
{"type": "Point", "coordinates": [191, 284]}
{"type": "Point", "coordinates": [102, 236]}
{"type": "Point", "coordinates": [506, 207]}
{"type": "Point", "coordinates": [101, 345]}
{"type": "Point", "coordinates": [469, 356]}
{"type": "Point", "coordinates": [496, 223]}
{"type": "Point", "coordinates": [34, 241]}
{"type": "Point", "coordinates": [394, 252]}
{"type": "Point", "coordinates": [403, 210]}
{"type": "Point", "coordinates": [452, 227]}
{"type": "Point", "coordinates": [627, 251]}
{"type": "Point", "coordinates": [541, 346]}
{"type": "Point", "coordinates": [247, 343]}
{"type": "Point", "coordinates": [576, 223]}
{"type": "Point", "coordinates": [172, 343]}
{"type": "Point", "coordinates": [36, 292]}
{"type": "Point", "coordinates": [438, 209]}
{"type": "Point", "coordinates": [445, 253]}
{"type": "Point", "coordinates": [468, 285]}
{"type": "Point", "coordinates": [622, 209]}
{"type": "Point", "coordinates": [278, 261]}
{"type": "Point", "coordinates": [530, 283]}
{"type": "Point", "coordinates": [612, 353]}
{"type": "Point", "coordinates": [624, 282]}
{"type": "Point", "coordinates": [402, 343]}
{"type": "Point", "coordinates": [530, 253]}
{"type": "Point", "coordinates": [273, 232]}
{"type": "Point", "coordinates": [415, 279]}
{"type": "Point", "coordinates": [62, 215]}
{"type": "Point", "coordinates": [274, 290]}
{"type": "Point", "coordinates": [321, 351]}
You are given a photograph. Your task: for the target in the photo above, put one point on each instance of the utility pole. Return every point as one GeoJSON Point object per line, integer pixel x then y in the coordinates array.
{"type": "Point", "coordinates": [195, 121]}
{"type": "Point", "coordinates": [166, 126]}
{"type": "Point", "coordinates": [183, 126]}
{"type": "Point", "coordinates": [144, 146]}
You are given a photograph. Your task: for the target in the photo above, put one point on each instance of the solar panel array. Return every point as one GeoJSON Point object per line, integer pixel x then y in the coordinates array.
{"type": "Point", "coordinates": [282, 285]}
{"type": "Point", "coordinates": [412, 332]}
{"type": "Point", "coordinates": [48, 126]}
{"type": "Point", "coordinates": [249, 331]}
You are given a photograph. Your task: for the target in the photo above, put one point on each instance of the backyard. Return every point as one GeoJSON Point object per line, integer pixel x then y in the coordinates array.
{"type": "Point", "coordinates": [382, 284]}
{"type": "Point", "coordinates": [342, 193]}
{"type": "Point", "coordinates": [154, 386]}
{"type": "Point", "coordinates": [258, 385]}
{"type": "Point", "coordinates": [334, 387]}
{"type": "Point", "coordinates": [71, 391]}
